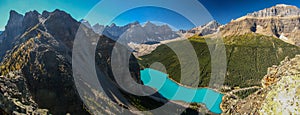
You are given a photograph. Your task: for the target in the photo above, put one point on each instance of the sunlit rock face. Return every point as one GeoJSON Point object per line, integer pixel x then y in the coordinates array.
{"type": "Point", "coordinates": [284, 97]}
{"type": "Point", "coordinates": [281, 21]}
{"type": "Point", "coordinates": [284, 94]}
{"type": "Point", "coordinates": [280, 93]}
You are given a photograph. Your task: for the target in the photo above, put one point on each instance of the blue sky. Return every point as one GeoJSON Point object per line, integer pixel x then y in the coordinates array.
{"type": "Point", "coordinates": [221, 10]}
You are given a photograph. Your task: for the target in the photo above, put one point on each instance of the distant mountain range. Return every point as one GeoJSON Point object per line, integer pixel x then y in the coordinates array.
{"type": "Point", "coordinates": [281, 21]}
{"type": "Point", "coordinates": [134, 32]}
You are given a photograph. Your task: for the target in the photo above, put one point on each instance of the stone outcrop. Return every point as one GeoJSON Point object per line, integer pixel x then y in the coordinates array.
{"type": "Point", "coordinates": [279, 95]}
{"type": "Point", "coordinates": [281, 21]}
{"type": "Point", "coordinates": [15, 97]}
{"type": "Point", "coordinates": [284, 97]}
{"type": "Point", "coordinates": [288, 67]}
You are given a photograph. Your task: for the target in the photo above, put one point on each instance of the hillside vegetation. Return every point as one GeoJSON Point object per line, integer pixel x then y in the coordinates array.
{"type": "Point", "coordinates": [248, 57]}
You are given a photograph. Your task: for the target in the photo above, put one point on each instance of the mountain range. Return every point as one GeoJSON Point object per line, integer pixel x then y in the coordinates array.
{"type": "Point", "coordinates": [281, 21]}
{"type": "Point", "coordinates": [36, 61]}
{"type": "Point", "coordinates": [134, 32]}
{"type": "Point", "coordinates": [254, 45]}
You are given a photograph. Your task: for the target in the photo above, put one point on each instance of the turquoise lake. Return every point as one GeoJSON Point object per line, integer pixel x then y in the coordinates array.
{"type": "Point", "coordinates": [173, 91]}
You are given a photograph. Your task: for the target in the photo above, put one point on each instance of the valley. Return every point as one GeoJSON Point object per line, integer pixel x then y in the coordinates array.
{"type": "Point", "coordinates": [248, 57]}
{"type": "Point", "coordinates": [38, 55]}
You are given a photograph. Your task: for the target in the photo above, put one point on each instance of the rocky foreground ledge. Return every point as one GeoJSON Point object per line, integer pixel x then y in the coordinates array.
{"type": "Point", "coordinates": [280, 93]}
{"type": "Point", "coordinates": [15, 97]}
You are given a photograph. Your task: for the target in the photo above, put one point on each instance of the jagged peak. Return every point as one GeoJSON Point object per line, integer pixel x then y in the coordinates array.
{"type": "Point", "coordinates": [166, 26]}
{"type": "Point", "coordinates": [83, 20]}
{"type": "Point", "coordinates": [60, 13]}
{"type": "Point", "coordinates": [281, 10]}
{"type": "Point", "coordinates": [57, 10]}
{"type": "Point", "coordinates": [33, 12]}
{"type": "Point", "coordinates": [136, 22]}
{"type": "Point", "coordinates": [45, 14]}
{"type": "Point", "coordinates": [149, 23]}
{"type": "Point", "coordinates": [13, 13]}
{"type": "Point", "coordinates": [213, 22]}
{"type": "Point", "coordinates": [14, 22]}
{"type": "Point", "coordinates": [98, 25]}
{"type": "Point", "coordinates": [112, 25]}
{"type": "Point", "coordinates": [283, 5]}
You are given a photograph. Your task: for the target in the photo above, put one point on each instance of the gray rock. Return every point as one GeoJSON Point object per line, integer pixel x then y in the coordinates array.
{"type": "Point", "coordinates": [281, 21]}
{"type": "Point", "coordinates": [136, 33]}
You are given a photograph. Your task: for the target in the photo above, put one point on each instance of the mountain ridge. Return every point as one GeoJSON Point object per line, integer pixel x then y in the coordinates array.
{"type": "Point", "coordinates": [281, 21]}
{"type": "Point", "coordinates": [40, 47]}
{"type": "Point", "coordinates": [136, 33]}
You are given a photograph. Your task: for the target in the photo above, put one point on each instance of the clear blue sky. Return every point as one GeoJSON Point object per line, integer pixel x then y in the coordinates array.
{"type": "Point", "coordinates": [221, 10]}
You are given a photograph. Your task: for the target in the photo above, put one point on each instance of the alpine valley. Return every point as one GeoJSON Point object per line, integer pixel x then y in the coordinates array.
{"type": "Point", "coordinates": [262, 56]}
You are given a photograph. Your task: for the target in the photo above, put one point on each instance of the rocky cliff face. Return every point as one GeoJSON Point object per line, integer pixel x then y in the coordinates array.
{"type": "Point", "coordinates": [0, 35]}
{"type": "Point", "coordinates": [279, 95]}
{"type": "Point", "coordinates": [281, 21]}
{"type": "Point", "coordinates": [15, 97]}
{"type": "Point", "coordinates": [280, 10]}
{"type": "Point", "coordinates": [40, 50]}
{"type": "Point", "coordinates": [284, 97]}
{"type": "Point", "coordinates": [13, 29]}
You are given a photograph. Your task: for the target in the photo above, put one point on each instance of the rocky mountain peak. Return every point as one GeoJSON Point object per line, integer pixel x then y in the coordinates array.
{"type": "Point", "coordinates": [149, 24]}
{"type": "Point", "coordinates": [283, 5]}
{"type": "Point", "coordinates": [14, 23]}
{"type": "Point", "coordinates": [98, 28]}
{"type": "Point", "coordinates": [86, 23]}
{"type": "Point", "coordinates": [133, 24]}
{"type": "Point", "coordinates": [30, 19]}
{"type": "Point", "coordinates": [14, 17]}
{"type": "Point", "coordinates": [45, 14]}
{"type": "Point", "coordinates": [206, 29]}
{"type": "Point", "coordinates": [281, 21]}
{"type": "Point", "coordinates": [13, 14]}
{"type": "Point", "coordinates": [42, 53]}
{"type": "Point", "coordinates": [65, 22]}
{"type": "Point", "coordinates": [97, 25]}
{"type": "Point", "coordinates": [212, 24]}
{"type": "Point", "coordinates": [113, 25]}
{"type": "Point", "coordinates": [281, 10]}
{"type": "Point", "coordinates": [167, 27]}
